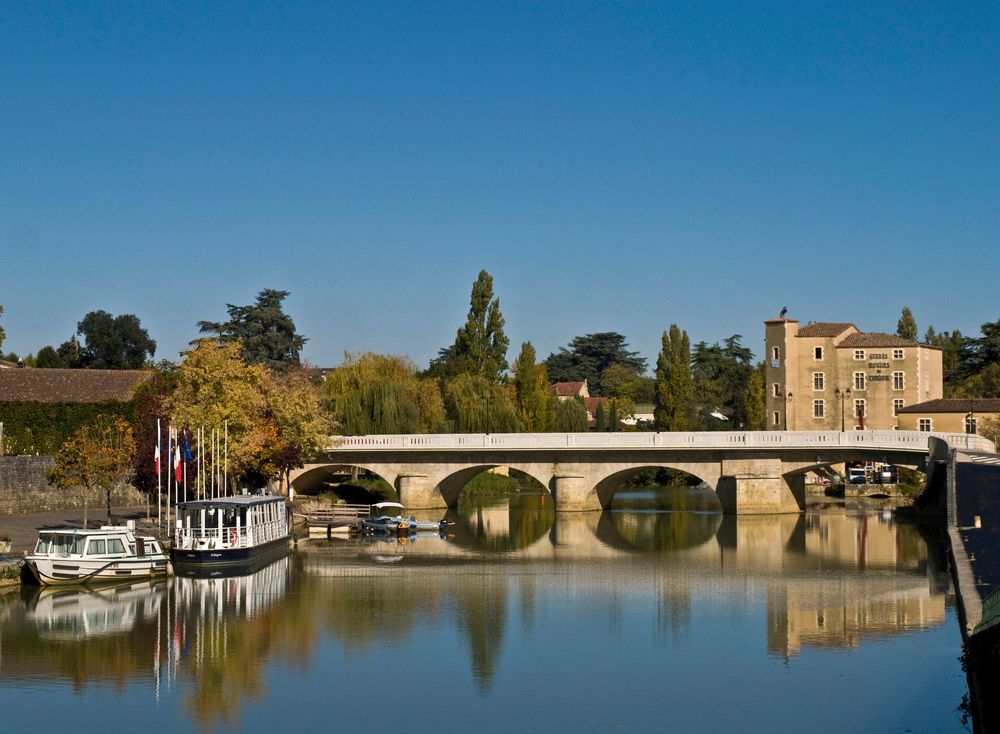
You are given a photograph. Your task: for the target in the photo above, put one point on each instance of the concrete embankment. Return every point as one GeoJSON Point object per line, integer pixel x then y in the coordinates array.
{"type": "Point", "coordinates": [974, 535]}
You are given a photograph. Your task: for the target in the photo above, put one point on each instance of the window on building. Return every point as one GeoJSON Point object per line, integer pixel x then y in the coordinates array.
{"type": "Point", "coordinates": [970, 423]}
{"type": "Point", "coordinates": [818, 409]}
{"type": "Point", "coordinates": [897, 405]}
{"type": "Point", "coordinates": [776, 418]}
{"type": "Point", "coordinates": [859, 409]}
{"type": "Point", "coordinates": [859, 355]}
{"type": "Point", "coordinates": [775, 353]}
{"type": "Point", "coordinates": [776, 390]}
{"type": "Point", "coordinates": [925, 424]}
{"type": "Point", "coordinates": [898, 381]}
{"type": "Point", "coordinates": [818, 381]}
{"type": "Point", "coordinates": [817, 352]}
{"type": "Point", "coordinates": [859, 380]}
{"type": "Point", "coordinates": [898, 354]}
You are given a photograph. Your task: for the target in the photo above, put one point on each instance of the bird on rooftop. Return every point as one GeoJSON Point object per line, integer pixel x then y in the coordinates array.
{"type": "Point", "coordinates": [784, 310]}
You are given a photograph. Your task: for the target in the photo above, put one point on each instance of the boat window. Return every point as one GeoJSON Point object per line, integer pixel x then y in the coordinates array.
{"type": "Point", "coordinates": [77, 546]}
{"type": "Point", "coordinates": [131, 549]}
{"type": "Point", "coordinates": [97, 547]}
{"type": "Point", "coordinates": [42, 546]}
{"type": "Point", "coordinates": [115, 546]}
{"type": "Point", "coordinates": [61, 544]}
{"type": "Point", "coordinates": [152, 548]}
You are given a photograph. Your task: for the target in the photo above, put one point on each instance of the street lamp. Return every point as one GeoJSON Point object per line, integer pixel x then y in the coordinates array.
{"type": "Point", "coordinates": [787, 408]}
{"type": "Point", "coordinates": [841, 395]}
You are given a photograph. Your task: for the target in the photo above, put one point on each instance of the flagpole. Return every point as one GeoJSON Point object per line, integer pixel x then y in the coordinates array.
{"type": "Point", "coordinates": [185, 465]}
{"type": "Point", "coordinates": [159, 479]}
{"type": "Point", "coordinates": [170, 467]}
{"type": "Point", "coordinates": [225, 470]}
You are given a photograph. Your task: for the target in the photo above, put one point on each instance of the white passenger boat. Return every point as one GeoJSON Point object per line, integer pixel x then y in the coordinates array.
{"type": "Point", "coordinates": [235, 533]}
{"type": "Point", "coordinates": [79, 556]}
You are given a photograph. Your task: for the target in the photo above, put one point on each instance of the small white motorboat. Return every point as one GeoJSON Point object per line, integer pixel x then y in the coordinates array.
{"type": "Point", "coordinates": [80, 556]}
{"type": "Point", "coordinates": [385, 523]}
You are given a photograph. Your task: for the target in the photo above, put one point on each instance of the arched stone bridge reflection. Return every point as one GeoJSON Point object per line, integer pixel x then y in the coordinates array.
{"type": "Point", "coordinates": [759, 472]}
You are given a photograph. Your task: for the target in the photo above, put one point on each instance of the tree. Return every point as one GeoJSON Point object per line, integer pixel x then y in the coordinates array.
{"type": "Point", "coordinates": [588, 357]}
{"type": "Point", "coordinates": [753, 404]}
{"type": "Point", "coordinates": [265, 332]}
{"type": "Point", "coordinates": [673, 381]}
{"type": "Point", "coordinates": [613, 416]}
{"type": "Point", "coordinates": [953, 348]}
{"type": "Point", "coordinates": [481, 345]}
{"type": "Point", "coordinates": [475, 404]}
{"type": "Point", "coordinates": [215, 388]}
{"type": "Point", "coordinates": [99, 454]}
{"type": "Point", "coordinates": [380, 394]}
{"type": "Point", "coordinates": [570, 416]}
{"type": "Point", "coordinates": [109, 343]}
{"type": "Point", "coordinates": [906, 327]}
{"type": "Point", "coordinates": [719, 374]}
{"type": "Point", "coordinates": [303, 426]}
{"type": "Point", "coordinates": [600, 418]}
{"type": "Point", "coordinates": [531, 391]}
{"type": "Point", "coordinates": [48, 357]}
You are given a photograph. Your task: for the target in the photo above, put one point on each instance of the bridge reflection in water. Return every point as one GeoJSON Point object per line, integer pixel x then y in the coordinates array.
{"type": "Point", "coordinates": [829, 578]}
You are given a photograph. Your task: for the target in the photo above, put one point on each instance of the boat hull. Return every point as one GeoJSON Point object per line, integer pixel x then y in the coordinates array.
{"type": "Point", "coordinates": [227, 561]}
{"type": "Point", "coordinates": [75, 571]}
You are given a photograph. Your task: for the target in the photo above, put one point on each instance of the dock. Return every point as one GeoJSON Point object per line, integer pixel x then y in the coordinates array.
{"type": "Point", "coordinates": [336, 520]}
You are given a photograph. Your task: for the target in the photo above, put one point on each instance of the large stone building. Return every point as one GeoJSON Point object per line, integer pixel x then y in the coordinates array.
{"type": "Point", "coordinates": [831, 376]}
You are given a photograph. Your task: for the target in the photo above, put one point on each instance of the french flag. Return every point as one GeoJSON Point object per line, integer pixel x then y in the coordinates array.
{"type": "Point", "coordinates": [177, 462]}
{"type": "Point", "coordinates": [156, 459]}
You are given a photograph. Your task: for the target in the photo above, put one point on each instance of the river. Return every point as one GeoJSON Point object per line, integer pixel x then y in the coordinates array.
{"type": "Point", "coordinates": [841, 619]}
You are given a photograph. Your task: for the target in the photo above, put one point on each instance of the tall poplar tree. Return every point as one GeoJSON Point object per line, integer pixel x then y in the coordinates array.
{"type": "Point", "coordinates": [531, 391]}
{"type": "Point", "coordinates": [906, 327]}
{"type": "Point", "coordinates": [754, 411]}
{"type": "Point", "coordinates": [673, 381]}
{"type": "Point", "coordinates": [481, 345]}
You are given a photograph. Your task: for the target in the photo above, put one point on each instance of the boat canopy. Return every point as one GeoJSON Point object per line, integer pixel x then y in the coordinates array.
{"type": "Point", "coordinates": [384, 505]}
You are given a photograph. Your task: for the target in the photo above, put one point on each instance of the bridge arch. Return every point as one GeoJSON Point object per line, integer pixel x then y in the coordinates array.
{"type": "Point", "coordinates": [311, 477]}
{"type": "Point", "coordinates": [605, 488]}
{"type": "Point", "coordinates": [450, 486]}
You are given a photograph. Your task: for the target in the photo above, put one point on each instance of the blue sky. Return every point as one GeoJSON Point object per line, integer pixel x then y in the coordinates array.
{"type": "Point", "coordinates": [614, 167]}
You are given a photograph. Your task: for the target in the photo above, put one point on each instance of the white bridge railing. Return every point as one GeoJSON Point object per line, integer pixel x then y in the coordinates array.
{"type": "Point", "coordinates": [916, 441]}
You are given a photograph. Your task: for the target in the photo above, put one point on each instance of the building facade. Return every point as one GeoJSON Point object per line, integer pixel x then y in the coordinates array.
{"type": "Point", "coordinates": [954, 415]}
{"type": "Point", "coordinates": [833, 377]}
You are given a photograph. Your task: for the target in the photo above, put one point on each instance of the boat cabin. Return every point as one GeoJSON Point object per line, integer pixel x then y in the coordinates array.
{"type": "Point", "coordinates": [230, 522]}
{"type": "Point", "coordinates": [108, 542]}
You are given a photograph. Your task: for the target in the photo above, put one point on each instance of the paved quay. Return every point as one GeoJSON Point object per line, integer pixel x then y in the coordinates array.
{"type": "Point", "coordinates": [23, 529]}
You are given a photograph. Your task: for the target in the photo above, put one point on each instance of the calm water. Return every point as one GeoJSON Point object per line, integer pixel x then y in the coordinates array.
{"type": "Point", "coordinates": [840, 620]}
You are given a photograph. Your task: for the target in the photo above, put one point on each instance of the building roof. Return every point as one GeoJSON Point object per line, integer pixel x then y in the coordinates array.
{"type": "Point", "coordinates": [875, 339]}
{"type": "Point", "coordinates": [35, 385]}
{"type": "Point", "coordinates": [825, 329]}
{"type": "Point", "coordinates": [955, 405]}
{"type": "Point", "coordinates": [567, 389]}
{"type": "Point", "coordinates": [7, 364]}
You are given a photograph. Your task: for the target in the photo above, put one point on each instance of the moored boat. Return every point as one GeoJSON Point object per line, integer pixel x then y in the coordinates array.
{"type": "Point", "coordinates": [388, 520]}
{"type": "Point", "coordinates": [81, 556]}
{"type": "Point", "coordinates": [229, 533]}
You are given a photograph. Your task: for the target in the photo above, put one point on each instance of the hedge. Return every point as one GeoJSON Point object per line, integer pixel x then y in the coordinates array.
{"type": "Point", "coordinates": [41, 428]}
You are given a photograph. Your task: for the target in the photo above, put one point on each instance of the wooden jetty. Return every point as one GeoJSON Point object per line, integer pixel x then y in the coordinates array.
{"type": "Point", "coordinates": [336, 520]}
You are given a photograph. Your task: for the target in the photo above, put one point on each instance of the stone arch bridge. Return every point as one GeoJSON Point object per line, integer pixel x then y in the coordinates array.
{"type": "Point", "coordinates": [752, 471]}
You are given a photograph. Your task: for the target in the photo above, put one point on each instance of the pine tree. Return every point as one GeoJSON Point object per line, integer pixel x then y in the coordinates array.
{"type": "Point", "coordinates": [613, 419]}
{"type": "Point", "coordinates": [754, 411]}
{"type": "Point", "coordinates": [673, 381]}
{"type": "Point", "coordinates": [906, 327]}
